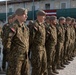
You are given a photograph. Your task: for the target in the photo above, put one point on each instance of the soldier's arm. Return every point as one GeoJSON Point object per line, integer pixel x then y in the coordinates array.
{"type": "Point", "coordinates": [11, 33]}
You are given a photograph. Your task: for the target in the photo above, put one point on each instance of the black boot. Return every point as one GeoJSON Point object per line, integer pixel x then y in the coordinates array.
{"type": "Point", "coordinates": [50, 72]}
{"type": "Point", "coordinates": [55, 71]}
{"type": "Point", "coordinates": [60, 67]}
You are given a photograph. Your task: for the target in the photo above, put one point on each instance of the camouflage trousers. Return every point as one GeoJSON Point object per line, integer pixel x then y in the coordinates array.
{"type": "Point", "coordinates": [59, 53]}
{"type": "Point", "coordinates": [71, 49]}
{"type": "Point", "coordinates": [18, 67]}
{"type": "Point", "coordinates": [39, 62]}
{"type": "Point", "coordinates": [66, 51]}
{"type": "Point", "coordinates": [50, 51]}
{"type": "Point", "coordinates": [4, 60]}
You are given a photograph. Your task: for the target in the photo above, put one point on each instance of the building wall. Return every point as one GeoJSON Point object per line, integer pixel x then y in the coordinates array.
{"type": "Point", "coordinates": [54, 4]}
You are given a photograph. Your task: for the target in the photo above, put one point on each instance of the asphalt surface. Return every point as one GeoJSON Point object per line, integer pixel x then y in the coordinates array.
{"type": "Point", "coordinates": [69, 70]}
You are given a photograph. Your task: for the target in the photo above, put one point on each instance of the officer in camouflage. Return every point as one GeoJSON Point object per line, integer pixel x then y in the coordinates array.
{"type": "Point", "coordinates": [51, 41]}
{"type": "Point", "coordinates": [67, 39]}
{"type": "Point", "coordinates": [38, 52]}
{"type": "Point", "coordinates": [60, 42]}
{"type": "Point", "coordinates": [72, 39]}
{"type": "Point", "coordinates": [18, 62]}
{"type": "Point", "coordinates": [4, 36]}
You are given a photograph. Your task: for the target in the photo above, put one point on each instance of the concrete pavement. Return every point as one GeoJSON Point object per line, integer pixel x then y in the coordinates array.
{"type": "Point", "coordinates": [69, 70]}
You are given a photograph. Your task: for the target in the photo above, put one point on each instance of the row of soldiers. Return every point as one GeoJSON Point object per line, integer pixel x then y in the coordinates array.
{"type": "Point", "coordinates": [45, 45]}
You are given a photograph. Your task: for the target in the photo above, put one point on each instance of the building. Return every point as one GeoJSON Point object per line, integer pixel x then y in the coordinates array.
{"type": "Point", "coordinates": [56, 7]}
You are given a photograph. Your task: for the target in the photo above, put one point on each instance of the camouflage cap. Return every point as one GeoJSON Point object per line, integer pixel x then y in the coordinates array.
{"type": "Point", "coordinates": [61, 18]}
{"type": "Point", "coordinates": [41, 13]}
{"type": "Point", "coordinates": [68, 19]}
{"type": "Point", "coordinates": [47, 18]}
{"type": "Point", "coordinates": [53, 18]}
{"type": "Point", "coordinates": [9, 17]}
{"type": "Point", "coordinates": [20, 11]}
{"type": "Point", "coordinates": [73, 20]}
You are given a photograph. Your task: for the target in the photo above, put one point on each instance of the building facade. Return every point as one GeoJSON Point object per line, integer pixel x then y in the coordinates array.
{"type": "Point", "coordinates": [35, 5]}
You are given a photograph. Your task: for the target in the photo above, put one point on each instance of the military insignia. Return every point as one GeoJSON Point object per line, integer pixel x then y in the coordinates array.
{"type": "Point", "coordinates": [36, 28]}
{"type": "Point", "coordinates": [48, 32]}
{"type": "Point", "coordinates": [13, 29]}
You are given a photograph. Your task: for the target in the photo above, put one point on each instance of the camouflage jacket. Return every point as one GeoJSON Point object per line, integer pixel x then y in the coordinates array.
{"type": "Point", "coordinates": [67, 33]}
{"type": "Point", "coordinates": [4, 34]}
{"type": "Point", "coordinates": [60, 33]}
{"type": "Point", "coordinates": [51, 35]}
{"type": "Point", "coordinates": [72, 33]}
{"type": "Point", "coordinates": [19, 40]}
{"type": "Point", "coordinates": [38, 35]}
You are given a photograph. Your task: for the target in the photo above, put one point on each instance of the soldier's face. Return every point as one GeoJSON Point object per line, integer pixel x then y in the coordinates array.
{"type": "Point", "coordinates": [63, 21]}
{"type": "Point", "coordinates": [23, 17]}
{"type": "Point", "coordinates": [54, 22]}
{"type": "Point", "coordinates": [41, 18]}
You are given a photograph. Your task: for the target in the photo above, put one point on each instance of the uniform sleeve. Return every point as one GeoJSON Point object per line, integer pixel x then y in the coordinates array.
{"type": "Point", "coordinates": [32, 30]}
{"type": "Point", "coordinates": [11, 33]}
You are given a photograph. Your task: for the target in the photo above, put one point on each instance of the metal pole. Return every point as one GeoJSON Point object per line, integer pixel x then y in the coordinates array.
{"type": "Point", "coordinates": [6, 10]}
{"type": "Point", "coordinates": [33, 8]}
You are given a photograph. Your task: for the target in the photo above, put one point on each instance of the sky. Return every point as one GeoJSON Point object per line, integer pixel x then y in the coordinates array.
{"type": "Point", "coordinates": [3, 0]}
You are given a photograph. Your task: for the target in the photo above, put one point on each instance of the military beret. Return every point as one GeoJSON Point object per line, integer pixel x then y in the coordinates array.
{"type": "Point", "coordinates": [41, 13]}
{"type": "Point", "coordinates": [53, 18]}
{"type": "Point", "coordinates": [73, 20]}
{"type": "Point", "coordinates": [68, 19]}
{"type": "Point", "coordinates": [20, 11]}
{"type": "Point", "coordinates": [61, 18]}
{"type": "Point", "coordinates": [47, 18]}
{"type": "Point", "coordinates": [9, 17]}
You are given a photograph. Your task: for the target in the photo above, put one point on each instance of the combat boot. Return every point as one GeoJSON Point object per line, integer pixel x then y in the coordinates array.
{"type": "Point", "coordinates": [60, 67]}
{"type": "Point", "coordinates": [55, 71]}
{"type": "Point", "coordinates": [50, 72]}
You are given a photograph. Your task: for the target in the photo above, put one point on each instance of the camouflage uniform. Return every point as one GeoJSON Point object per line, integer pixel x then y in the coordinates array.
{"type": "Point", "coordinates": [38, 56]}
{"type": "Point", "coordinates": [18, 62]}
{"type": "Point", "coordinates": [6, 47]}
{"type": "Point", "coordinates": [60, 44]}
{"type": "Point", "coordinates": [72, 40]}
{"type": "Point", "coordinates": [66, 43]}
{"type": "Point", "coordinates": [51, 41]}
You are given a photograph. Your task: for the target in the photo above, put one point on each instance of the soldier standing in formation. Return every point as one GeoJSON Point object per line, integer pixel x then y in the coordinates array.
{"type": "Point", "coordinates": [38, 52]}
{"type": "Point", "coordinates": [18, 62]}
{"type": "Point", "coordinates": [51, 41]}
{"type": "Point", "coordinates": [60, 42]}
{"type": "Point", "coordinates": [4, 36]}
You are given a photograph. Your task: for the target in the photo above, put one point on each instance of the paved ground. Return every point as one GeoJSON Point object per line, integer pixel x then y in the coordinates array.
{"type": "Point", "coordinates": [69, 70]}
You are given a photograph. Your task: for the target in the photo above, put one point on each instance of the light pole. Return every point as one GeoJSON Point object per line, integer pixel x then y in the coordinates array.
{"type": "Point", "coordinates": [33, 8]}
{"type": "Point", "coordinates": [6, 11]}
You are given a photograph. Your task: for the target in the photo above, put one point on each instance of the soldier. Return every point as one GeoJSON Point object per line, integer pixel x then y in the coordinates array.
{"type": "Point", "coordinates": [67, 39]}
{"type": "Point", "coordinates": [47, 22]}
{"type": "Point", "coordinates": [38, 53]}
{"type": "Point", "coordinates": [4, 37]}
{"type": "Point", "coordinates": [51, 41]}
{"type": "Point", "coordinates": [72, 39]}
{"type": "Point", "coordinates": [75, 40]}
{"type": "Point", "coordinates": [18, 62]}
{"type": "Point", "coordinates": [60, 42]}
{"type": "Point", "coordinates": [30, 26]}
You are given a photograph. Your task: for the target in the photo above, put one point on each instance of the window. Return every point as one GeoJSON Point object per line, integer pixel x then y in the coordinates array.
{"type": "Point", "coordinates": [10, 9]}
{"type": "Point", "coordinates": [47, 6]}
{"type": "Point", "coordinates": [63, 5]}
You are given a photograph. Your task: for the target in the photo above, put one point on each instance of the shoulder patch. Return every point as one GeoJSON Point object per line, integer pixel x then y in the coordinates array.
{"type": "Point", "coordinates": [13, 29]}
{"type": "Point", "coordinates": [35, 28]}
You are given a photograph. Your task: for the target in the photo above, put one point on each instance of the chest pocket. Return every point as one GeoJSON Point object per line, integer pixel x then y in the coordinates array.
{"type": "Point", "coordinates": [20, 33]}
